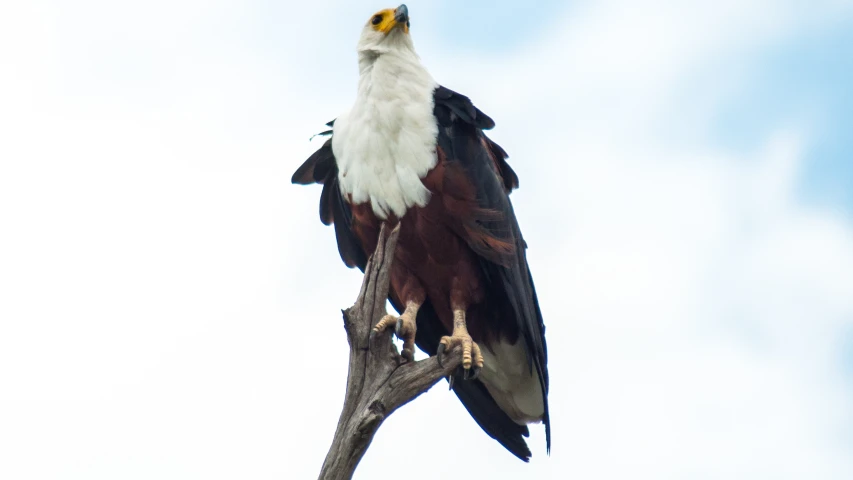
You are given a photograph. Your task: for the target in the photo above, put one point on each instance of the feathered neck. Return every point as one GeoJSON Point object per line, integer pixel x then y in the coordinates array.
{"type": "Point", "coordinates": [385, 144]}
{"type": "Point", "coordinates": [397, 47]}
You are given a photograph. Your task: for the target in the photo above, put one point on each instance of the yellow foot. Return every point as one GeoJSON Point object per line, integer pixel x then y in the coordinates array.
{"type": "Point", "coordinates": [404, 326]}
{"type": "Point", "coordinates": [472, 359]}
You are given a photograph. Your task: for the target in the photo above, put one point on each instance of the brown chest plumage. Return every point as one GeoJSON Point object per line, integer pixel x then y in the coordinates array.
{"type": "Point", "coordinates": [431, 251]}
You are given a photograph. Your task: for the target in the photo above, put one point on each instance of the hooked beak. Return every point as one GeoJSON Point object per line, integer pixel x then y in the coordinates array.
{"type": "Point", "coordinates": [401, 14]}
{"type": "Point", "coordinates": [399, 20]}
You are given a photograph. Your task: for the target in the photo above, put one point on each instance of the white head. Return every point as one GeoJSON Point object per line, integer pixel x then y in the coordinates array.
{"type": "Point", "coordinates": [386, 31]}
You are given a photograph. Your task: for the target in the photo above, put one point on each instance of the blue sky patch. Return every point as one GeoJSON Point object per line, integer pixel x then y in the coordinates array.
{"type": "Point", "coordinates": [808, 77]}
{"type": "Point", "coordinates": [490, 25]}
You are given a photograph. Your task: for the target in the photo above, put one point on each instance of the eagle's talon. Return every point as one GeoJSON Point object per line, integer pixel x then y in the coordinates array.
{"type": "Point", "coordinates": [438, 355]}
{"type": "Point", "coordinates": [404, 327]}
{"type": "Point", "coordinates": [408, 354]}
{"type": "Point", "coordinates": [471, 356]}
{"type": "Point", "coordinates": [383, 324]}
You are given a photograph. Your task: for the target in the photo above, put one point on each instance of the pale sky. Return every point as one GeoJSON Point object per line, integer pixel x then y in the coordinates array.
{"type": "Point", "coordinates": [170, 303]}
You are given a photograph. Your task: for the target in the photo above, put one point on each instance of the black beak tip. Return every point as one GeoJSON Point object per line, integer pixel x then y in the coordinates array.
{"type": "Point", "coordinates": [402, 13]}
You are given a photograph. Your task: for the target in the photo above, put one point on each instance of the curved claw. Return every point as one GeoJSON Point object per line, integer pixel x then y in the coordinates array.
{"type": "Point", "coordinates": [438, 354]}
{"type": "Point", "coordinates": [408, 354]}
{"type": "Point", "coordinates": [475, 373]}
{"type": "Point", "coordinates": [380, 327]}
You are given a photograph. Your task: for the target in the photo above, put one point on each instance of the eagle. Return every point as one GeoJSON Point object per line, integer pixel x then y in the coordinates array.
{"type": "Point", "coordinates": [413, 153]}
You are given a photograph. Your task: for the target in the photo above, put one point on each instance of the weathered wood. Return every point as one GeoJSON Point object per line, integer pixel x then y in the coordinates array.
{"type": "Point", "coordinates": [379, 379]}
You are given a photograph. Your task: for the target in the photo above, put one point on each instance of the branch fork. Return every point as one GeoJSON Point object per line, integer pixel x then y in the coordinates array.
{"type": "Point", "coordinates": [379, 380]}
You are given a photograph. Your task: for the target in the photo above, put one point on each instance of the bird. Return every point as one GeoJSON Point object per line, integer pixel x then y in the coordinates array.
{"type": "Point", "coordinates": [413, 153]}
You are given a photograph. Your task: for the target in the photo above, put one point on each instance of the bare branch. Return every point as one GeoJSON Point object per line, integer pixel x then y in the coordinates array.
{"type": "Point", "coordinates": [379, 380]}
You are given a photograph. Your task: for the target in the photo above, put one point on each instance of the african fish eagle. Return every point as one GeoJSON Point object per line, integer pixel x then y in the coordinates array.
{"type": "Point", "coordinates": [413, 152]}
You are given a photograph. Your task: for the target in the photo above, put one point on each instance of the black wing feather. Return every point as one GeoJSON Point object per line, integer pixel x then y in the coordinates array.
{"type": "Point", "coordinates": [316, 168]}
{"type": "Point", "coordinates": [484, 163]}
{"type": "Point", "coordinates": [321, 168]}
{"type": "Point", "coordinates": [463, 108]}
{"type": "Point", "coordinates": [349, 246]}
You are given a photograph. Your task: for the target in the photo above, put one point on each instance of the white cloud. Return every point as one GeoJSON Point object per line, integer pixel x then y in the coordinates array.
{"type": "Point", "coordinates": [159, 306]}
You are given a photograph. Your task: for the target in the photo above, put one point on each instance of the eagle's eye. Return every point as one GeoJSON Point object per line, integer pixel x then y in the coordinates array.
{"type": "Point", "coordinates": [377, 19]}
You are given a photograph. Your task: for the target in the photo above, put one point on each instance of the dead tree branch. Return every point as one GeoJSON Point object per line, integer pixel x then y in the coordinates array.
{"type": "Point", "coordinates": [379, 380]}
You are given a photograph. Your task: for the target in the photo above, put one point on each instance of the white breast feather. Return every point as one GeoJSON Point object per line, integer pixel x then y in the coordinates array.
{"type": "Point", "coordinates": [385, 144]}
